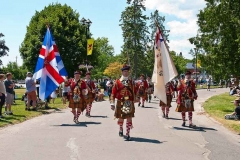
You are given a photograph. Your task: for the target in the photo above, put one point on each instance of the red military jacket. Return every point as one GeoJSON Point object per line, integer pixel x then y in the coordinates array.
{"type": "Point", "coordinates": [82, 85]}
{"type": "Point", "coordinates": [90, 85]}
{"type": "Point", "coordinates": [190, 90]}
{"type": "Point", "coordinates": [142, 85]}
{"type": "Point", "coordinates": [169, 89]}
{"type": "Point", "coordinates": [119, 91]}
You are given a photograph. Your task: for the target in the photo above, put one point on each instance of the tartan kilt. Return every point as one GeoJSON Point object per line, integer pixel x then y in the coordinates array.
{"type": "Point", "coordinates": [120, 114]}
{"type": "Point", "coordinates": [169, 101]}
{"type": "Point", "coordinates": [181, 107]}
{"type": "Point", "coordinates": [81, 104]}
{"type": "Point", "coordinates": [90, 98]}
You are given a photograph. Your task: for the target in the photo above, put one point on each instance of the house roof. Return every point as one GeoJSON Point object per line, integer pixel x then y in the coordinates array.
{"type": "Point", "coordinates": [190, 66]}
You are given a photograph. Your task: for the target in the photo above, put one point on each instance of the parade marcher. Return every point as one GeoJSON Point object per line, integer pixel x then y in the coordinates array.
{"type": "Point", "coordinates": [187, 95]}
{"type": "Point", "coordinates": [91, 93]}
{"type": "Point", "coordinates": [124, 91]}
{"type": "Point", "coordinates": [169, 94]}
{"type": "Point", "coordinates": [150, 89]}
{"type": "Point", "coordinates": [77, 92]}
{"type": "Point", "coordinates": [142, 88]}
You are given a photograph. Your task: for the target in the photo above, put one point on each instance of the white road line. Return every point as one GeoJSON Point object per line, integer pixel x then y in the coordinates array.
{"type": "Point", "coordinates": [74, 149]}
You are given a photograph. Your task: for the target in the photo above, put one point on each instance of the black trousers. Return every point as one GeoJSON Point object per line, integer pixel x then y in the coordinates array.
{"type": "Point", "coordinates": [2, 102]}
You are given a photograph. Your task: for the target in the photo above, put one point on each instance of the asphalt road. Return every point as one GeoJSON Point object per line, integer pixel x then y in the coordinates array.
{"type": "Point", "coordinates": [56, 137]}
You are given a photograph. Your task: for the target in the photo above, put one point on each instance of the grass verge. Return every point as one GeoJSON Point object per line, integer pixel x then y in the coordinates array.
{"type": "Point", "coordinates": [21, 115]}
{"type": "Point", "coordinates": [220, 105]}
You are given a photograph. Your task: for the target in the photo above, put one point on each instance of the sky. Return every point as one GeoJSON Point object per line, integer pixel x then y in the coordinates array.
{"type": "Point", "coordinates": [180, 19]}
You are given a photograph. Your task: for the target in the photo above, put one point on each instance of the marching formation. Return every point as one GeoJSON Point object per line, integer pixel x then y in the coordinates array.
{"type": "Point", "coordinates": [123, 92]}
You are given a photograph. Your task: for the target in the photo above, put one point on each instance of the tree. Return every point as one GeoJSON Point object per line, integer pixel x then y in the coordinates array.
{"type": "Point", "coordinates": [3, 48]}
{"type": "Point", "coordinates": [218, 38]}
{"type": "Point", "coordinates": [113, 70]}
{"type": "Point", "coordinates": [69, 35]}
{"type": "Point", "coordinates": [135, 34]}
{"type": "Point", "coordinates": [155, 17]}
{"type": "Point", "coordinates": [18, 72]}
{"type": "Point", "coordinates": [104, 56]}
{"type": "Point", "coordinates": [179, 61]}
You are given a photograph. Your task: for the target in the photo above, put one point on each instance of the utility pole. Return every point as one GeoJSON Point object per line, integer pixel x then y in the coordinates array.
{"type": "Point", "coordinates": [135, 52]}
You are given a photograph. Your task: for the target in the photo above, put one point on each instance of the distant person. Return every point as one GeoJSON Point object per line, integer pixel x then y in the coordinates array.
{"type": "Point", "coordinates": [2, 93]}
{"type": "Point", "coordinates": [236, 114]}
{"type": "Point", "coordinates": [208, 80]}
{"type": "Point", "coordinates": [54, 95]}
{"type": "Point", "coordinates": [31, 91]}
{"type": "Point", "coordinates": [10, 94]}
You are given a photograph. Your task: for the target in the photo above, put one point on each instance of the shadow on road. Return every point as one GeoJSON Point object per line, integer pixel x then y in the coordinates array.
{"type": "Point", "coordinates": [150, 107]}
{"type": "Point", "coordinates": [81, 124]}
{"type": "Point", "coordinates": [145, 140]}
{"type": "Point", "coordinates": [175, 118]}
{"type": "Point", "coordinates": [99, 116]}
{"type": "Point", "coordinates": [200, 129]}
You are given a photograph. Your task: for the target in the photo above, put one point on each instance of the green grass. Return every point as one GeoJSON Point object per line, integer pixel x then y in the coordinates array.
{"type": "Point", "coordinates": [220, 105]}
{"type": "Point", "coordinates": [21, 115]}
{"type": "Point", "coordinates": [205, 86]}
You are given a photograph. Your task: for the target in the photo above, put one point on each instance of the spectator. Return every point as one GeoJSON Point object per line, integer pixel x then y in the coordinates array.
{"type": "Point", "coordinates": [31, 91]}
{"type": "Point", "coordinates": [54, 95]}
{"type": "Point", "coordinates": [236, 114]}
{"type": "Point", "coordinates": [208, 80]}
{"type": "Point", "coordinates": [100, 95]}
{"type": "Point", "coordinates": [37, 87]}
{"type": "Point", "coordinates": [66, 89]}
{"type": "Point", "coordinates": [9, 94]}
{"type": "Point", "coordinates": [110, 85]}
{"type": "Point", "coordinates": [2, 93]}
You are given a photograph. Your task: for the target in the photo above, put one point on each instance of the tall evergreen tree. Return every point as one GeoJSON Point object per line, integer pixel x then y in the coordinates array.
{"type": "Point", "coordinates": [135, 34]}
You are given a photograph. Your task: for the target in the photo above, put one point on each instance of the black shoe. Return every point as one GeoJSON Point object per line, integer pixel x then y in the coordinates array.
{"type": "Point", "coordinates": [139, 104]}
{"type": "Point", "coordinates": [166, 117]}
{"type": "Point", "coordinates": [163, 116]}
{"type": "Point", "coordinates": [192, 126]}
{"type": "Point", "coordinates": [142, 106]}
{"type": "Point", "coordinates": [10, 113]}
{"type": "Point", "coordinates": [120, 133]}
{"type": "Point", "coordinates": [34, 109]}
{"type": "Point", "coordinates": [86, 114]}
{"type": "Point", "coordinates": [128, 138]}
{"type": "Point", "coordinates": [184, 124]}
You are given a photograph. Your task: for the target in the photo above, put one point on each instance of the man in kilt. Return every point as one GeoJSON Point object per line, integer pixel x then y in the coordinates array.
{"type": "Point", "coordinates": [150, 89]}
{"type": "Point", "coordinates": [124, 91]}
{"type": "Point", "coordinates": [142, 88]}
{"type": "Point", "coordinates": [169, 94]}
{"type": "Point", "coordinates": [187, 95]}
{"type": "Point", "coordinates": [78, 90]}
{"type": "Point", "coordinates": [91, 93]}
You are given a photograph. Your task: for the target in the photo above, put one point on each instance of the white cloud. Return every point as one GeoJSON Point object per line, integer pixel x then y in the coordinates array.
{"type": "Point", "coordinates": [184, 25]}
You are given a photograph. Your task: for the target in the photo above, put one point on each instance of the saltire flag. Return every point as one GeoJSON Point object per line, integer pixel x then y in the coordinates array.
{"type": "Point", "coordinates": [164, 68]}
{"type": "Point", "coordinates": [62, 70]}
{"type": "Point", "coordinates": [90, 46]}
{"type": "Point", "coordinates": [46, 70]}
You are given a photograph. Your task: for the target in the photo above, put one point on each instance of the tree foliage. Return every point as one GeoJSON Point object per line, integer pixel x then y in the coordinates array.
{"type": "Point", "coordinates": [180, 62]}
{"type": "Point", "coordinates": [18, 72]}
{"type": "Point", "coordinates": [219, 37]}
{"type": "Point", "coordinates": [69, 34]}
{"type": "Point", "coordinates": [104, 56]}
{"type": "Point", "coordinates": [135, 35]}
{"type": "Point", "coordinates": [113, 70]}
{"type": "Point", "coordinates": [3, 48]}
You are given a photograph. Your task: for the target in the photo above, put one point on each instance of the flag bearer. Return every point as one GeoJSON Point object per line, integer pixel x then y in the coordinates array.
{"type": "Point", "coordinates": [169, 94]}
